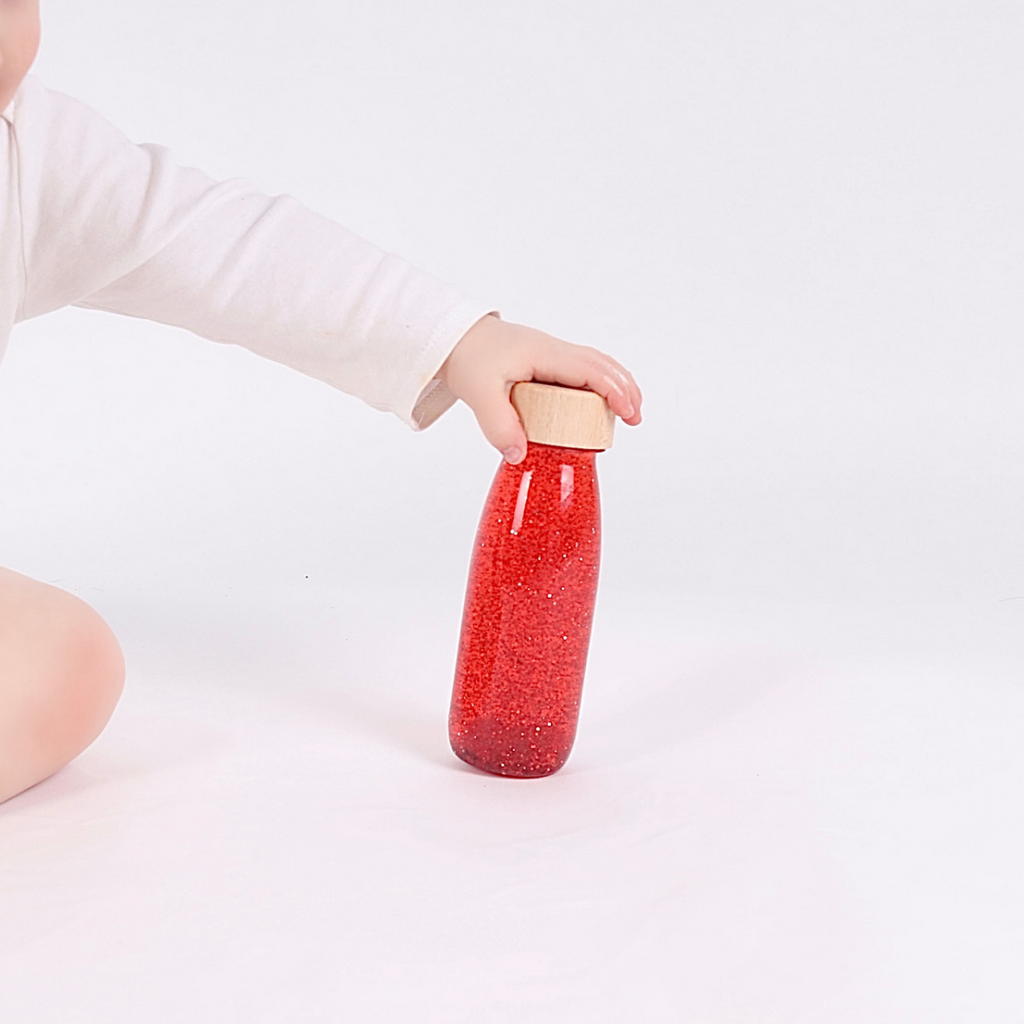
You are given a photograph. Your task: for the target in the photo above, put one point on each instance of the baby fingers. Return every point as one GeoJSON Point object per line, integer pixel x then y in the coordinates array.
{"type": "Point", "coordinates": [580, 366]}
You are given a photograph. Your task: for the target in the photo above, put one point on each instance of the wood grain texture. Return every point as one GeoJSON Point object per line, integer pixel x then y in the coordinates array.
{"type": "Point", "coordinates": [568, 417]}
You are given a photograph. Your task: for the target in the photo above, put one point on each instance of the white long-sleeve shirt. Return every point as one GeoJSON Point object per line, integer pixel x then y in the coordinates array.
{"type": "Point", "coordinates": [91, 219]}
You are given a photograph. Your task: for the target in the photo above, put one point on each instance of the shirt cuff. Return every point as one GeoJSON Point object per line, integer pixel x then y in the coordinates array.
{"type": "Point", "coordinates": [433, 398]}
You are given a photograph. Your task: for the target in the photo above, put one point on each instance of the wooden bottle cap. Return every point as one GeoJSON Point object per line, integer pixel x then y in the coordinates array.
{"type": "Point", "coordinates": [567, 417]}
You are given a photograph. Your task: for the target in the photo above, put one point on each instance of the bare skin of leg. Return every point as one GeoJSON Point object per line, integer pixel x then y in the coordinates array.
{"type": "Point", "coordinates": [61, 674]}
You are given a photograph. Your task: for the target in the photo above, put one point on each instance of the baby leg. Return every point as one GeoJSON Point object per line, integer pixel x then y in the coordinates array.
{"type": "Point", "coordinates": [61, 674]}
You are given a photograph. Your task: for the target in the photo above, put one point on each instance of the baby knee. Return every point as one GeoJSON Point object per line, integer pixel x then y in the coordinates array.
{"type": "Point", "coordinates": [83, 680]}
{"type": "Point", "coordinates": [61, 674]}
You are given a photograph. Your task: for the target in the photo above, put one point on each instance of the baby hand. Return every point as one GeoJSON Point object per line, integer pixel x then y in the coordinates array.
{"type": "Point", "coordinates": [493, 355]}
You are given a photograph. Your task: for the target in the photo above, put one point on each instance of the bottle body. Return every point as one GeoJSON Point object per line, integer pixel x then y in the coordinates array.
{"type": "Point", "coordinates": [527, 618]}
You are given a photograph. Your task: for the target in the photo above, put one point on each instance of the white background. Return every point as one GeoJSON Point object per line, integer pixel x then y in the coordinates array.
{"type": "Point", "coordinates": [797, 790]}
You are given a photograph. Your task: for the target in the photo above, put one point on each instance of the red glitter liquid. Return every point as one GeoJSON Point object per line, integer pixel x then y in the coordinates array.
{"type": "Point", "coordinates": [526, 622]}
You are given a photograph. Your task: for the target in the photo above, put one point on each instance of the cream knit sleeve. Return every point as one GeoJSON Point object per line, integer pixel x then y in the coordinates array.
{"type": "Point", "coordinates": [108, 224]}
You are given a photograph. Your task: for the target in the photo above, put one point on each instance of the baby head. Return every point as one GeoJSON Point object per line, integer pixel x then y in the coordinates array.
{"type": "Point", "coordinates": [19, 41]}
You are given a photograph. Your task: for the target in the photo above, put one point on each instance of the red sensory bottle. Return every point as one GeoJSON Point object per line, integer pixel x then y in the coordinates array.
{"type": "Point", "coordinates": [531, 591]}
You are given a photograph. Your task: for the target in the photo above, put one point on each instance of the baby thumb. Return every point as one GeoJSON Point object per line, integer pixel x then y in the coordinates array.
{"type": "Point", "coordinates": [500, 424]}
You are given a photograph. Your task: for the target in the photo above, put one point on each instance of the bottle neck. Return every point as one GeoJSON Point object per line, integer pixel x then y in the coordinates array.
{"type": "Point", "coordinates": [536, 452]}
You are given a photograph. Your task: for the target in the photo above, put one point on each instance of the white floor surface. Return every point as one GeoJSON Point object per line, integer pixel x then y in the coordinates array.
{"type": "Point", "coordinates": [793, 816]}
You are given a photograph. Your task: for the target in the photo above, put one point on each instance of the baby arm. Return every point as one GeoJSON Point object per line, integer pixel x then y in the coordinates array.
{"type": "Point", "coordinates": [114, 226]}
{"type": "Point", "coordinates": [493, 355]}
{"type": "Point", "coordinates": [111, 225]}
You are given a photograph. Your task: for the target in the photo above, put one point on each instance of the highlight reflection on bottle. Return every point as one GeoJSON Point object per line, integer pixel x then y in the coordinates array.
{"type": "Point", "coordinates": [527, 618]}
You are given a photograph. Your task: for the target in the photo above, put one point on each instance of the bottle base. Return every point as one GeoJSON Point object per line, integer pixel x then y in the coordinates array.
{"type": "Point", "coordinates": [506, 771]}
{"type": "Point", "coordinates": [495, 749]}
